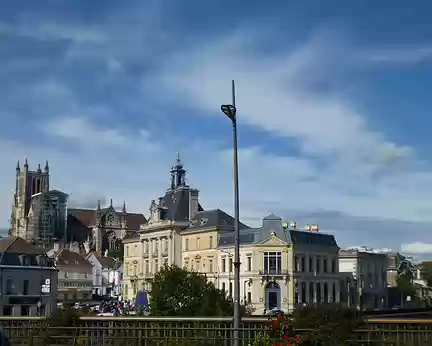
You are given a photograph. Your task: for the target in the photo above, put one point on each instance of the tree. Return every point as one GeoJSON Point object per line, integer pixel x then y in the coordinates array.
{"type": "Point", "coordinates": [178, 292]}
{"type": "Point", "coordinates": [426, 272]}
{"type": "Point", "coordinates": [405, 287]}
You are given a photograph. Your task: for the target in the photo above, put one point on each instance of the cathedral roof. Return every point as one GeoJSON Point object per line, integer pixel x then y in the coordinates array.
{"type": "Point", "coordinates": [85, 218]}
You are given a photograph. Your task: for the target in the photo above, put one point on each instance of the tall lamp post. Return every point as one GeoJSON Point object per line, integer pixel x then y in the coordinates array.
{"type": "Point", "coordinates": [230, 112]}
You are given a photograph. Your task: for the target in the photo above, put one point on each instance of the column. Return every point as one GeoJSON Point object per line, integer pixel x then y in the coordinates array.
{"type": "Point", "coordinates": [170, 250]}
{"type": "Point", "coordinates": [308, 293]}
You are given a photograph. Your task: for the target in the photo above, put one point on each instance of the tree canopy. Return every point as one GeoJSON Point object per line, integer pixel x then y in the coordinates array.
{"type": "Point", "coordinates": [426, 272]}
{"type": "Point", "coordinates": [405, 286]}
{"type": "Point", "coordinates": [178, 292]}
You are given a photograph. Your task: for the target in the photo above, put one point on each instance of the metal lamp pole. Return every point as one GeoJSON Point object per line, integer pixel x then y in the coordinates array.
{"type": "Point", "coordinates": [230, 112]}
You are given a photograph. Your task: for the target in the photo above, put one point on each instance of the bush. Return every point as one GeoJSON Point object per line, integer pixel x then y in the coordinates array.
{"type": "Point", "coordinates": [330, 324]}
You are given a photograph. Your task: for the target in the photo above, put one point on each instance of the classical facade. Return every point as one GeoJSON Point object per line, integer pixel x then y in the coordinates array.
{"type": "Point", "coordinates": [38, 213]}
{"type": "Point", "coordinates": [102, 228]}
{"type": "Point", "coordinates": [159, 242]}
{"type": "Point", "coordinates": [201, 239]}
{"type": "Point", "coordinates": [365, 283]}
{"type": "Point", "coordinates": [280, 268]}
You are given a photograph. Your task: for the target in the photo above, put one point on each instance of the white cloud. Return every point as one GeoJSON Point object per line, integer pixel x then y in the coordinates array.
{"type": "Point", "coordinates": [417, 248]}
{"type": "Point", "coordinates": [85, 133]}
{"type": "Point", "coordinates": [343, 164]}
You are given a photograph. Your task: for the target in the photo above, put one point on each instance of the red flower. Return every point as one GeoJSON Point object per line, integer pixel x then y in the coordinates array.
{"type": "Point", "coordinates": [275, 323]}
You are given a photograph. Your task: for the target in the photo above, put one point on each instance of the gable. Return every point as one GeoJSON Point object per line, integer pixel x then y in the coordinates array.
{"type": "Point", "coordinates": [274, 241]}
{"type": "Point", "coordinates": [93, 259]}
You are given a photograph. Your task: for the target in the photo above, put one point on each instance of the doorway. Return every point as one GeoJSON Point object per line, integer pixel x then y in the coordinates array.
{"type": "Point", "coordinates": [273, 296]}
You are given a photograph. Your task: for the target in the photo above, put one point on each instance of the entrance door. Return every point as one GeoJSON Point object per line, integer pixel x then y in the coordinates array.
{"type": "Point", "coordinates": [273, 296]}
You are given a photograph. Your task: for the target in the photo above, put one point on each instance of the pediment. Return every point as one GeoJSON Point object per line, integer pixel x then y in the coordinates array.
{"type": "Point", "coordinates": [274, 241]}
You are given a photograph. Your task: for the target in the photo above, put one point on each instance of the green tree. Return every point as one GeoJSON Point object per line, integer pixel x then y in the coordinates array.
{"type": "Point", "coordinates": [178, 292]}
{"type": "Point", "coordinates": [405, 287]}
{"type": "Point", "coordinates": [330, 324]}
{"type": "Point", "coordinates": [426, 272]}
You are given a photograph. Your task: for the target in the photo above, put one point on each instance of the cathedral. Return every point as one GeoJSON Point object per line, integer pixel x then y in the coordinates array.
{"type": "Point", "coordinates": [40, 216]}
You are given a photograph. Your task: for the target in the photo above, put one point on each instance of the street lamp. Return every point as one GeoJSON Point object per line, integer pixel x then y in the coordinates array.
{"type": "Point", "coordinates": [230, 111]}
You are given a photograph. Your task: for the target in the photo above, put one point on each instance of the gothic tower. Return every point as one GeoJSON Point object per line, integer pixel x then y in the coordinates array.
{"type": "Point", "coordinates": [27, 184]}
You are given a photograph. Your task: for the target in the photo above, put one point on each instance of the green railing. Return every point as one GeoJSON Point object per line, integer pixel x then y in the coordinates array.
{"type": "Point", "coordinates": [149, 331]}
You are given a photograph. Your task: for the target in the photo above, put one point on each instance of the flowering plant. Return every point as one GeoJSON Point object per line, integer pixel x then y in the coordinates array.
{"type": "Point", "coordinates": [279, 332]}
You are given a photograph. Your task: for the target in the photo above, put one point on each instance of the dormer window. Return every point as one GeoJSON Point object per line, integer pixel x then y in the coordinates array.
{"type": "Point", "coordinates": [203, 222]}
{"type": "Point", "coordinates": [223, 222]}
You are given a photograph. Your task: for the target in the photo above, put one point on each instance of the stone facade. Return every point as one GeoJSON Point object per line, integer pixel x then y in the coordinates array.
{"type": "Point", "coordinates": [158, 242]}
{"type": "Point", "coordinates": [365, 278]}
{"type": "Point", "coordinates": [280, 268]}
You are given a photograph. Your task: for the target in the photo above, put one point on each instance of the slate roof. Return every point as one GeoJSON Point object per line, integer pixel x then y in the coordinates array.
{"type": "Point", "coordinates": [82, 219]}
{"type": "Point", "coordinates": [12, 249]}
{"type": "Point", "coordinates": [273, 223]}
{"type": "Point", "coordinates": [176, 204]}
{"type": "Point", "coordinates": [215, 218]}
{"type": "Point", "coordinates": [107, 262]}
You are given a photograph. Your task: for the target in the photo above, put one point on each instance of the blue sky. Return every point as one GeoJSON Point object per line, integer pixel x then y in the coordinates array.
{"type": "Point", "coordinates": [333, 107]}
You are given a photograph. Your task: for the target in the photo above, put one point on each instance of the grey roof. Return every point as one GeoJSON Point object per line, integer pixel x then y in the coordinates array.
{"type": "Point", "coordinates": [16, 251]}
{"type": "Point", "coordinates": [214, 218]}
{"type": "Point", "coordinates": [273, 224]}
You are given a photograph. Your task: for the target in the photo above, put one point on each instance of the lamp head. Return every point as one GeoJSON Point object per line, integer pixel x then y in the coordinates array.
{"type": "Point", "coordinates": [229, 111]}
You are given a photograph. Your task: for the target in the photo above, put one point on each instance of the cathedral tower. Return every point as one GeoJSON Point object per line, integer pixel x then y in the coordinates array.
{"type": "Point", "coordinates": [27, 184]}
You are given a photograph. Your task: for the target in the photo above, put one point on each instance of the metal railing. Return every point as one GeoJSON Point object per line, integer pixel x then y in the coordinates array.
{"type": "Point", "coordinates": [149, 331]}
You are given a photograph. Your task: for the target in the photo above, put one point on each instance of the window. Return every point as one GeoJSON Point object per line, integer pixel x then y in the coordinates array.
{"type": "Point", "coordinates": [325, 265]}
{"type": "Point", "coordinates": [317, 267]}
{"type": "Point", "coordinates": [249, 263]}
{"type": "Point", "coordinates": [9, 287]}
{"type": "Point", "coordinates": [156, 264]}
{"type": "Point", "coordinates": [230, 293]}
{"type": "Point", "coordinates": [146, 267]}
{"type": "Point", "coordinates": [210, 265]}
{"type": "Point", "coordinates": [26, 287]}
{"type": "Point", "coordinates": [333, 268]}
{"type": "Point", "coordinates": [146, 246]}
{"type": "Point", "coordinates": [334, 293]}
{"type": "Point", "coordinates": [249, 297]}
{"type": "Point", "coordinates": [42, 310]}
{"type": "Point", "coordinates": [7, 310]}
{"type": "Point", "coordinates": [303, 264]}
{"type": "Point", "coordinates": [230, 264]}
{"type": "Point", "coordinates": [127, 250]}
{"type": "Point", "coordinates": [165, 244]}
{"type": "Point", "coordinates": [211, 242]}
{"type": "Point", "coordinates": [25, 310]}
{"type": "Point", "coordinates": [310, 265]}
{"type": "Point", "coordinates": [156, 247]}
{"type": "Point", "coordinates": [136, 250]}
{"type": "Point", "coordinates": [198, 266]}
{"type": "Point", "coordinates": [223, 265]}
{"type": "Point", "coordinates": [198, 242]}
{"type": "Point", "coordinates": [303, 292]}
{"type": "Point", "coordinates": [318, 293]}
{"type": "Point", "coordinates": [296, 293]}
{"type": "Point", "coordinates": [223, 288]}
{"type": "Point", "coordinates": [272, 262]}
{"type": "Point", "coordinates": [296, 263]}
{"type": "Point", "coordinates": [186, 244]}
{"type": "Point", "coordinates": [326, 293]}
{"type": "Point", "coordinates": [65, 274]}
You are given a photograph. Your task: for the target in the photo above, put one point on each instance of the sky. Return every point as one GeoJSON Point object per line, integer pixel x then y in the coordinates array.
{"type": "Point", "coordinates": [333, 108]}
